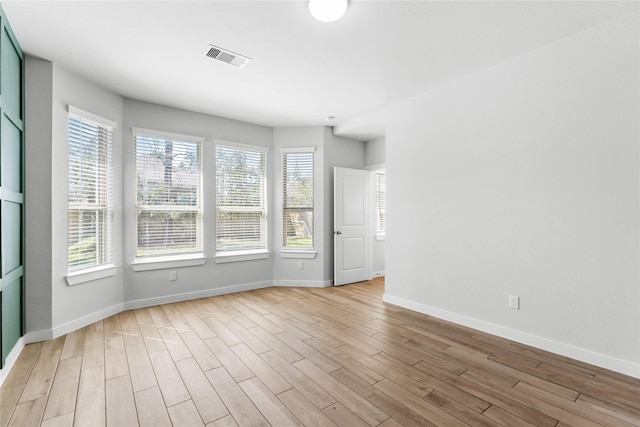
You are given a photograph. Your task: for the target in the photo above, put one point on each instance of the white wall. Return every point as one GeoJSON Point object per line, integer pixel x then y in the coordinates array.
{"type": "Point", "coordinates": [331, 151]}
{"type": "Point", "coordinates": [374, 152]}
{"type": "Point", "coordinates": [524, 179]}
{"type": "Point", "coordinates": [285, 270]}
{"type": "Point", "coordinates": [53, 307]}
{"type": "Point", "coordinates": [152, 287]}
{"type": "Point", "coordinates": [338, 152]}
{"type": "Point", "coordinates": [38, 193]}
{"type": "Point", "coordinates": [374, 159]}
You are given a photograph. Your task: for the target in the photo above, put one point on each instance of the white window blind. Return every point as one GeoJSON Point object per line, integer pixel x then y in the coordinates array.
{"type": "Point", "coordinates": [90, 191]}
{"type": "Point", "coordinates": [241, 217]}
{"type": "Point", "coordinates": [168, 205]}
{"type": "Point", "coordinates": [297, 191]}
{"type": "Point", "coordinates": [380, 198]}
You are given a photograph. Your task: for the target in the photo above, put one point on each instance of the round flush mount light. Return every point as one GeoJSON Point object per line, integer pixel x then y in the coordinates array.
{"type": "Point", "coordinates": [329, 118]}
{"type": "Point", "coordinates": [328, 10]}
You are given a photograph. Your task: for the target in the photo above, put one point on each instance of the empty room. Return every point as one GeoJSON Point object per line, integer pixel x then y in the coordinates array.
{"type": "Point", "coordinates": [319, 213]}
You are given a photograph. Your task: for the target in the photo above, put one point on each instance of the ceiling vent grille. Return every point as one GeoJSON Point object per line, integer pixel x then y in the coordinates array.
{"type": "Point", "coordinates": [226, 56]}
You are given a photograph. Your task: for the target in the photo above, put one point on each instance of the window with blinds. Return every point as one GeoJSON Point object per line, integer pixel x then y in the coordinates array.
{"type": "Point", "coordinates": [380, 197]}
{"type": "Point", "coordinates": [241, 216]}
{"type": "Point", "coordinates": [169, 196]}
{"type": "Point", "coordinates": [297, 200]}
{"type": "Point", "coordinates": [90, 190]}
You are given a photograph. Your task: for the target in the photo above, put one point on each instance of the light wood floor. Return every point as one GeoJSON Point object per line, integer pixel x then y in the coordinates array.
{"type": "Point", "coordinates": [314, 357]}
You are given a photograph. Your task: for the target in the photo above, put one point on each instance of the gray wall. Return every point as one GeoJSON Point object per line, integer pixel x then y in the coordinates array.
{"type": "Point", "coordinates": [53, 307]}
{"type": "Point", "coordinates": [523, 179]}
{"type": "Point", "coordinates": [338, 152]}
{"type": "Point", "coordinates": [331, 151]}
{"type": "Point", "coordinates": [285, 270]}
{"type": "Point", "coordinates": [374, 152]}
{"type": "Point", "coordinates": [152, 287]}
{"type": "Point", "coordinates": [375, 158]}
{"type": "Point", "coordinates": [38, 193]}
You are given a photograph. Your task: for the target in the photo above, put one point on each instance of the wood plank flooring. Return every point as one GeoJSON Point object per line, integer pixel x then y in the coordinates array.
{"type": "Point", "coordinates": [303, 357]}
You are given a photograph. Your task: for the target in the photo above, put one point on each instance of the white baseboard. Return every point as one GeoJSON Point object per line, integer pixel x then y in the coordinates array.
{"type": "Point", "coordinates": [303, 283]}
{"type": "Point", "coordinates": [11, 359]}
{"type": "Point", "coordinates": [147, 302]}
{"type": "Point", "coordinates": [87, 320]}
{"type": "Point", "coordinates": [581, 354]}
{"type": "Point", "coordinates": [47, 334]}
{"type": "Point", "coordinates": [37, 336]}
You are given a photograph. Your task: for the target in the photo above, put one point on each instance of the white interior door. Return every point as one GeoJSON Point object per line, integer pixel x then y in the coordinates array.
{"type": "Point", "coordinates": [351, 222]}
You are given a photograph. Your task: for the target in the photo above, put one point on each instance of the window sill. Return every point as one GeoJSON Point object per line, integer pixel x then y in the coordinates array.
{"type": "Point", "coordinates": [91, 274]}
{"type": "Point", "coordinates": [159, 263]}
{"type": "Point", "coordinates": [298, 254]}
{"type": "Point", "coordinates": [238, 256]}
{"type": "Point", "coordinates": [381, 236]}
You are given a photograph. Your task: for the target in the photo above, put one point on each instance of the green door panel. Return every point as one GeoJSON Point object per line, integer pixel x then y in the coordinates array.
{"type": "Point", "coordinates": [11, 190]}
{"type": "Point", "coordinates": [11, 156]}
{"type": "Point", "coordinates": [11, 78]}
{"type": "Point", "coordinates": [11, 316]}
{"type": "Point", "coordinates": [11, 236]}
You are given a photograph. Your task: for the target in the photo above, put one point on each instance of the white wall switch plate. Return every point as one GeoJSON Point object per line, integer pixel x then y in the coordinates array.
{"type": "Point", "coordinates": [514, 302]}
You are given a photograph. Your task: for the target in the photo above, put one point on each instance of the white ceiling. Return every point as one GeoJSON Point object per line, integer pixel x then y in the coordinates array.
{"type": "Point", "coordinates": [301, 70]}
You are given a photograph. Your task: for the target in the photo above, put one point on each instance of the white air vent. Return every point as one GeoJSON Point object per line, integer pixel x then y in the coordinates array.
{"type": "Point", "coordinates": [227, 56]}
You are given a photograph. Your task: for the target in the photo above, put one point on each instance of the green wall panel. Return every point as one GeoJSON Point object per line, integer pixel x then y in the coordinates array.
{"type": "Point", "coordinates": [11, 156]}
{"type": "Point", "coordinates": [11, 78]}
{"type": "Point", "coordinates": [12, 187]}
{"type": "Point", "coordinates": [11, 236]}
{"type": "Point", "coordinates": [11, 316]}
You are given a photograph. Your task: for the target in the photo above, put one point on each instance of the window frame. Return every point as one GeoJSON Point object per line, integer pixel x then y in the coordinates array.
{"type": "Point", "coordinates": [170, 259]}
{"type": "Point", "coordinates": [298, 251]}
{"type": "Point", "coordinates": [104, 265]}
{"type": "Point", "coordinates": [227, 254]}
{"type": "Point", "coordinates": [380, 195]}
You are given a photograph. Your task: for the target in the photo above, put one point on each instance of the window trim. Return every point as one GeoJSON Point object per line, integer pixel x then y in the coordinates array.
{"type": "Point", "coordinates": [292, 251]}
{"type": "Point", "coordinates": [170, 260]}
{"type": "Point", "coordinates": [90, 274]}
{"type": "Point", "coordinates": [380, 233]}
{"type": "Point", "coordinates": [227, 255]}
{"type": "Point", "coordinates": [236, 256]}
{"type": "Point", "coordinates": [106, 268]}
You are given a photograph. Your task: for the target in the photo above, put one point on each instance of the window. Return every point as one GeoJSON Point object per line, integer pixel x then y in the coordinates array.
{"type": "Point", "coordinates": [241, 212]}
{"type": "Point", "coordinates": [297, 200]}
{"type": "Point", "coordinates": [169, 199]}
{"type": "Point", "coordinates": [380, 196]}
{"type": "Point", "coordinates": [90, 191]}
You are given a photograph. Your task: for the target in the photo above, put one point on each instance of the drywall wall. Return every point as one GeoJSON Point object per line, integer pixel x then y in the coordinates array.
{"type": "Point", "coordinates": [53, 307]}
{"type": "Point", "coordinates": [152, 287]}
{"type": "Point", "coordinates": [38, 193]}
{"type": "Point", "coordinates": [523, 179]}
{"type": "Point", "coordinates": [338, 152]}
{"type": "Point", "coordinates": [104, 296]}
{"type": "Point", "coordinates": [374, 158]}
{"type": "Point", "coordinates": [286, 271]}
{"type": "Point", "coordinates": [374, 152]}
{"type": "Point", "coordinates": [330, 151]}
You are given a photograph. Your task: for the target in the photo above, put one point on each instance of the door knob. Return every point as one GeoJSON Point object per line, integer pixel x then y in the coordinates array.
{"type": "Point", "coordinates": [338, 232]}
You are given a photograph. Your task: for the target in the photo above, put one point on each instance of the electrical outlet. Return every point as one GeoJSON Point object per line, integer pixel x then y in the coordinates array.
{"type": "Point", "coordinates": [300, 265]}
{"type": "Point", "coordinates": [173, 275]}
{"type": "Point", "coordinates": [514, 302]}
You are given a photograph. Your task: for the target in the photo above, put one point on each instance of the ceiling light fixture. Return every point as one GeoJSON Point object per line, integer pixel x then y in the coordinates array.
{"type": "Point", "coordinates": [328, 10]}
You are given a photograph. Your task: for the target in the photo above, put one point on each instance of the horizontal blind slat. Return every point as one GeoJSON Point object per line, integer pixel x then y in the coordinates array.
{"type": "Point", "coordinates": [240, 198]}
{"type": "Point", "coordinates": [297, 200]}
{"type": "Point", "coordinates": [90, 194]}
{"type": "Point", "coordinates": [168, 190]}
